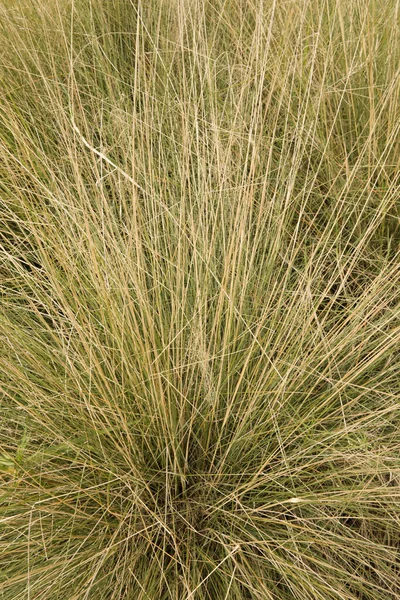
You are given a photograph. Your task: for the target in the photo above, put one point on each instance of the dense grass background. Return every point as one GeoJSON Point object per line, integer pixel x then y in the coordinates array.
{"type": "Point", "coordinates": [200, 318]}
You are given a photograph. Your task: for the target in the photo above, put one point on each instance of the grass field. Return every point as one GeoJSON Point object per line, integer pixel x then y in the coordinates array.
{"type": "Point", "coordinates": [199, 299]}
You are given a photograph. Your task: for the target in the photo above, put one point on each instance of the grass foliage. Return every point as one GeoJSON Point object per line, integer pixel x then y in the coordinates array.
{"type": "Point", "coordinates": [199, 288]}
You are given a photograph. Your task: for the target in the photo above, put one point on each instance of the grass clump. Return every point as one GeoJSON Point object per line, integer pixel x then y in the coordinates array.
{"type": "Point", "coordinates": [199, 274]}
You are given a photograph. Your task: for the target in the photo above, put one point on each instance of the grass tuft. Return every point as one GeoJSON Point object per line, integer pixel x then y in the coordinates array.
{"type": "Point", "coordinates": [200, 316]}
